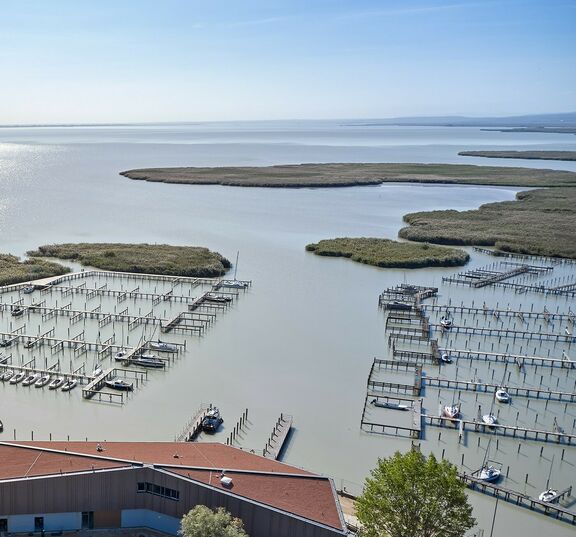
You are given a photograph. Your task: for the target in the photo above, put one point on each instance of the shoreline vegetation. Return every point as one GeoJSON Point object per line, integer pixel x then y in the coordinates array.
{"type": "Point", "coordinates": [142, 258]}
{"type": "Point", "coordinates": [13, 270]}
{"type": "Point", "coordinates": [352, 174]}
{"type": "Point", "coordinates": [387, 253]}
{"type": "Point", "coordinates": [528, 155]}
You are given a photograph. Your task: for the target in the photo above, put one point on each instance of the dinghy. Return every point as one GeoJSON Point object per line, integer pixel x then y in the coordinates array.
{"type": "Point", "coordinates": [19, 377]}
{"type": "Point", "coordinates": [69, 384]}
{"type": "Point", "coordinates": [42, 381]}
{"type": "Point", "coordinates": [56, 383]}
{"type": "Point", "coordinates": [30, 379]}
{"type": "Point", "coordinates": [502, 396]}
{"type": "Point", "coordinates": [548, 496]}
{"type": "Point", "coordinates": [388, 404]}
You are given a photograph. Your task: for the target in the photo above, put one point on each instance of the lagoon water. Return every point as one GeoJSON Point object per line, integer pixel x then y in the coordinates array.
{"type": "Point", "coordinates": [302, 339]}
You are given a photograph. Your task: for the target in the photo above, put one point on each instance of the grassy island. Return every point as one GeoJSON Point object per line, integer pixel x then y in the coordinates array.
{"type": "Point", "coordinates": [12, 270]}
{"type": "Point", "coordinates": [539, 222]}
{"type": "Point", "coordinates": [529, 155]}
{"type": "Point", "coordinates": [142, 258]}
{"type": "Point", "coordinates": [390, 254]}
{"type": "Point", "coordinates": [336, 175]}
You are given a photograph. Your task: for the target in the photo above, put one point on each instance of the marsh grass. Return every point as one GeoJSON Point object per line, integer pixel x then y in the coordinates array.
{"type": "Point", "coordinates": [386, 253]}
{"type": "Point", "coordinates": [141, 258]}
{"type": "Point", "coordinates": [529, 155]}
{"type": "Point", "coordinates": [539, 222]}
{"type": "Point", "coordinates": [13, 270]}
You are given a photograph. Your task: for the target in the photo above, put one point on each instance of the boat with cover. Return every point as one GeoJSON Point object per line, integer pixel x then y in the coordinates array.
{"type": "Point", "coordinates": [28, 289]}
{"type": "Point", "coordinates": [29, 344]}
{"type": "Point", "coordinates": [5, 343]}
{"type": "Point", "coordinates": [489, 419]}
{"type": "Point", "coordinates": [17, 311]}
{"type": "Point", "coordinates": [97, 371]}
{"type": "Point", "coordinates": [548, 496]}
{"type": "Point", "coordinates": [489, 473]}
{"type": "Point", "coordinates": [30, 379]}
{"type": "Point", "coordinates": [502, 396]}
{"type": "Point", "coordinates": [162, 346]}
{"type": "Point", "coordinates": [119, 384]}
{"type": "Point", "coordinates": [388, 404]}
{"type": "Point", "coordinates": [18, 377]}
{"type": "Point", "coordinates": [7, 375]}
{"type": "Point", "coordinates": [42, 381]}
{"type": "Point", "coordinates": [121, 355]}
{"type": "Point", "coordinates": [212, 421]}
{"type": "Point", "coordinates": [56, 383]}
{"type": "Point", "coordinates": [149, 360]}
{"type": "Point", "coordinates": [69, 384]}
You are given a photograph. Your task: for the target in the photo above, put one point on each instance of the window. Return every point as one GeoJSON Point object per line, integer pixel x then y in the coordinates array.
{"type": "Point", "coordinates": [3, 524]}
{"type": "Point", "coordinates": [39, 523]}
{"type": "Point", "coordinates": [157, 490]}
{"type": "Point", "coordinates": [88, 520]}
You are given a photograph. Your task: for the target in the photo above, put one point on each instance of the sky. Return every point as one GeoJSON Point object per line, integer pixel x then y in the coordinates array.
{"type": "Point", "coordinates": [102, 61]}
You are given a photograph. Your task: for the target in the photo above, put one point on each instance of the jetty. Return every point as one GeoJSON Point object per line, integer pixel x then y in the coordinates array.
{"type": "Point", "coordinates": [278, 437]}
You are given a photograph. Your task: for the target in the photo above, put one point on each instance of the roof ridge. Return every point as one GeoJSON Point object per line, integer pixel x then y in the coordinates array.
{"type": "Point", "coordinates": [240, 471]}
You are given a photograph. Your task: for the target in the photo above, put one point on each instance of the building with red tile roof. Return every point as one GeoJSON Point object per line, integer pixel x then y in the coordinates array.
{"type": "Point", "coordinates": [54, 486]}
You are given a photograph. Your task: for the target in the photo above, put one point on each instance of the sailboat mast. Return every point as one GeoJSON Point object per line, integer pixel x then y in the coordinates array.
{"type": "Point", "coordinates": [236, 264]}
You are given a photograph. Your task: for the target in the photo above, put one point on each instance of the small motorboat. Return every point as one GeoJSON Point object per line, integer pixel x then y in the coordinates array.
{"type": "Point", "coordinates": [489, 419]}
{"type": "Point", "coordinates": [149, 360]}
{"type": "Point", "coordinates": [446, 323]}
{"type": "Point", "coordinates": [121, 355]}
{"type": "Point", "coordinates": [42, 381]}
{"type": "Point", "coordinates": [502, 396]}
{"type": "Point", "coordinates": [56, 383]}
{"type": "Point", "coordinates": [3, 359]}
{"type": "Point", "coordinates": [445, 358]}
{"type": "Point", "coordinates": [5, 342]}
{"type": "Point", "coordinates": [7, 375]}
{"type": "Point", "coordinates": [18, 377]}
{"type": "Point", "coordinates": [29, 344]}
{"type": "Point", "coordinates": [97, 371]}
{"type": "Point", "coordinates": [548, 496]}
{"type": "Point", "coordinates": [388, 404]}
{"type": "Point", "coordinates": [29, 289]}
{"type": "Point", "coordinates": [489, 473]}
{"type": "Point", "coordinates": [118, 384]}
{"type": "Point", "coordinates": [30, 379]}
{"type": "Point", "coordinates": [218, 299]}
{"type": "Point", "coordinates": [234, 284]}
{"type": "Point", "coordinates": [69, 384]}
{"type": "Point", "coordinates": [398, 305]}
{"type": "Point", "coordinates": [17, 311]}
{"type": "Point", "coordinates": [162, 346]}
{"type": "Point", "coordinates": [212, 421]}
{"type": "Point", "coordinates": [451, 411]}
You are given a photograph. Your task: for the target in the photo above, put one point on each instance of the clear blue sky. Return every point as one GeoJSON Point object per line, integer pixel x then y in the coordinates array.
{"type": "Point", "coordinates": [184, 60]}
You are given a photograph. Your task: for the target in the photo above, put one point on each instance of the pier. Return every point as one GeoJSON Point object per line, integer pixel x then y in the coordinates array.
{"type": "Point", "coordinates": [278, 437]}
{"type": "Point", "coordinates": [193, 427]}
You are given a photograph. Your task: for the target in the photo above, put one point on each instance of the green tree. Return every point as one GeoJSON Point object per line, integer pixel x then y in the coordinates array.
{"type": "Point", "coordinates": [409, 495]}
{"type": "Point", "coordinates": [201, 521]}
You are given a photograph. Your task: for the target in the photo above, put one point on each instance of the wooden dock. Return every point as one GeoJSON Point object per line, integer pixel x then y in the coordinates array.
{"type": "Point", "coordinates": [193, 427]}
{"type": "Point", "coordinates": [504, 332]}
{"type": "Point", "coordinates": [278, 437]}
{"type": "Point", "coordinates": [518, 359]}
{"type": "Point", "coordinates": [413, 430]}
{"type": "Point", "coordinates": [94, 387]}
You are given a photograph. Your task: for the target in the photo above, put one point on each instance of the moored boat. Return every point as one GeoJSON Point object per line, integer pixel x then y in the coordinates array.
{"type": "Point", "coordinates": [548, 496]}
{"type": "Point", "coordinates": [17, 311]}
{"type": "Point", "coordinates": [489, 419]}
{"type": "Point", "coordinates": [212, 421]}
{"type": "Point", "coordinates": [18, 377]}
{"type": "Point", "coordinates": [119, 384]}
{"type": "Point", "coordinates": [42, 381]}
{"type": "Point", "coordinates": [445, 358]}
{"type": "Point", "coordinates": [121, 355]}
{"type": "Point", "coordinates": [489, 473]}
{"type": "Point", "coordinates": [502, 396]}
{"type": "Point", "coordinates": [30, 379]}
{"type": "Point", "coordinates": [451, 411]}
{"type": "Point", "coordinates": [29, 289]}
{"type": "Point", "coordinates": [388, 404]}
{"type": "Point", "coordinates": [6, 375]}
{"type": "Point", "coordinates": [162, 346]}
{"type": "Point", "coordinates": [69, 384]}
{"type": "Point", "coordinates": [149, 360]}
{"type": "Point", "coordinates": [56, 383]}
{"type": "Point", "coordinates": [446, 323]}
{"type": "Point", "coordinates": [97, 371]}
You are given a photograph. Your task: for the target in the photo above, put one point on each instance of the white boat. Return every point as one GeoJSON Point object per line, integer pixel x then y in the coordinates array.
{"type": "Point", "coordinates": [489, 473]}
{"type": "Point", "coordinates": [30, 379]}
{"type": "Point", "coordinates": [489, 419]}
{"type": "Point", "coordinates": [69, 384]}
{"type": "Point", "coordinates": [451, 411]}
{"type": "Point", "coordinates": [18, 377]}
{"type": "Point", "coordinates": [445, 358]}
{"type": "Point", "coordinates": [42, 381]}
{"type": "Point", "coordinates": [28, 289]}
{"type": "Point", "coordinates": [97, 371]}
{"type": "Point", "coordinates": [118, 384]}
{"type": "Point", "coordinates": [7, 375]}
{"type": "Point", "coordinates": [148, 360]}
{"type": "Point", "coordinates": [56, 383]}
{"type": "Point", "coordinates": [119, 356]}
{"type": "Point", "coordinates": [548, 496]}
{"type": "Point", "coordinates": [3, 359]}
{"type": "Point", "coordinates": [502, 396]}
{"type": "Point", "coordinates": [446, 322]}
{"type": "Point", "coordinates": [388, 404]}
{"type": "Point", "coordinates": [162, 346]}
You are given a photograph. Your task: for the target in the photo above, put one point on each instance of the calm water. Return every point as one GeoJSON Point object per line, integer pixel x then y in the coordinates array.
{"type": "Point", "coordinates": [301, 341]}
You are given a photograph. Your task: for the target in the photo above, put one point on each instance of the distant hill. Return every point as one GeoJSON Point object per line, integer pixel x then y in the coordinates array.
{"type": "Point", "coordinates": [567, 119]}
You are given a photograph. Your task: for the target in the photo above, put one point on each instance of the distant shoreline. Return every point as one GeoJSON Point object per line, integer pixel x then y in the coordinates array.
{"type": "Point", "coordinates": [330, 175]}
{"type": "Point", "coordinates": [528, 155]}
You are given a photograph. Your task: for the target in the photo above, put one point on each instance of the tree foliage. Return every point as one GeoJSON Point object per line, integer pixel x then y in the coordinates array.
{"type": "Point", "coordinates": [201, 521]}
{"type": "Point", "coordinates": [409, 495]}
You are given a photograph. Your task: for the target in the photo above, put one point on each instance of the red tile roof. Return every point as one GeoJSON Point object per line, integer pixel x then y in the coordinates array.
{"type": "Point", "coordinates": [266, 481]}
